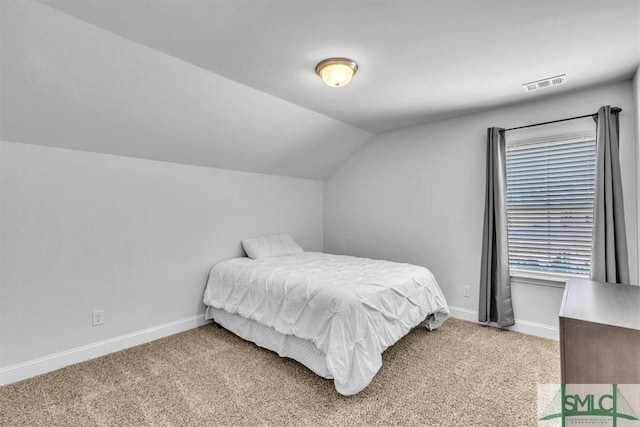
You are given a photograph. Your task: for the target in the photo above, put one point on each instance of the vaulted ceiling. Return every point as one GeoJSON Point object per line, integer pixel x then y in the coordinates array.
{"type": "Point", "coordinates": [231, 83]}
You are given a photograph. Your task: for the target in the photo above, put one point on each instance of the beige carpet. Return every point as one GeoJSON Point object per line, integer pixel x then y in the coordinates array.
{"type": "Point", "coordinates": [463, 374]}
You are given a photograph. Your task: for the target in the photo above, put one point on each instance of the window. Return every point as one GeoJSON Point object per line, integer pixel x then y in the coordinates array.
{"type": "Point", "coordinates": [550, 190]}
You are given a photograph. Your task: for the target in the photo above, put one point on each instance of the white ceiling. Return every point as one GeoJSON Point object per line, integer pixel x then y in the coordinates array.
{"type": "Point", "coordinates": [69, 84]}
{"type": "Point", "coordinates": [419, 60]}
{"type": "Point", "coordinates": [231, 84]}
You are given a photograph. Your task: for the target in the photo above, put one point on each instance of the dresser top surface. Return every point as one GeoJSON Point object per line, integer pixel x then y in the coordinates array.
{"type": "Point", "coordinates": [604, 303]}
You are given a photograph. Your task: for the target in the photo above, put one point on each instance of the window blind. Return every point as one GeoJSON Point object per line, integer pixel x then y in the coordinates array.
{"type": "Point", "coordinates": [550, 190]}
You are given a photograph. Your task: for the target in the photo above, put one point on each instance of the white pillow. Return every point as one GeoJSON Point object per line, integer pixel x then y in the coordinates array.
{"type": "Point", "coordinates": [271, 246]}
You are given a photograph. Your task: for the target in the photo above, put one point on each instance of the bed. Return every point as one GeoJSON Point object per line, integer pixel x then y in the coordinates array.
{"type": "Point", "coordinates": [334, 314]}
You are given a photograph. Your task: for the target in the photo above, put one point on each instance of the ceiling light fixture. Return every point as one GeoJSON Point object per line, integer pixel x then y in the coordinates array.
{"type": "Point", "coordinates": [336, 72]}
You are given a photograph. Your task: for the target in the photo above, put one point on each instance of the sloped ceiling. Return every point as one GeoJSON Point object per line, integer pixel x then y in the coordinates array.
{"type": "Point", "coordinates": [69, 84]}
{"type": "Point", "coordinates": [231, 83]}
{"type": "Point", "coordinates": [420, 60]}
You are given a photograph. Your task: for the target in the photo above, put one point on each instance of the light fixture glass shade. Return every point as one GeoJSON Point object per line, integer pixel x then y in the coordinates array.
{"type": "Point", "coordinates": [336, 72]}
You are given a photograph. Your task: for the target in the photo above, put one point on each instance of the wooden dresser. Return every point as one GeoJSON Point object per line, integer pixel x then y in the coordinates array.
{"type": "Point", "coordinates": [600, 333]}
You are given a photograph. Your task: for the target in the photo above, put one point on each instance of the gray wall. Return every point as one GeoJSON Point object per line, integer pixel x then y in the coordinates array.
{"type": "Point", "coordinates": [417, 195]}
{"type": "Point", "coordinates": [84, 231]}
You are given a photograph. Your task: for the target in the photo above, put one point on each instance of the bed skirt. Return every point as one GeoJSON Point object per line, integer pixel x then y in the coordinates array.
{"type": "Point", "coordinates": [298, 349]}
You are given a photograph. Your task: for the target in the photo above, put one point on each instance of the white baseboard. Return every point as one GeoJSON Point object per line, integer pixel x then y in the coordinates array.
{"type": "Point", "coordinates": [524, 326]}
{"type": "Point", "coordinates": [45, 364]}
{"type": "Point", "coordinates": [41, 365]}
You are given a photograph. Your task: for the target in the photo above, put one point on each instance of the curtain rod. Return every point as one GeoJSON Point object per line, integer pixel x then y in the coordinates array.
{"type": "Point", "coordinates": [614, 110]}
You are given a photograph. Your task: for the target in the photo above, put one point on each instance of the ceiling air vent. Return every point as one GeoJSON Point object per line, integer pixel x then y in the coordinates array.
{"type": "Point", "coordinates": [548, 82]}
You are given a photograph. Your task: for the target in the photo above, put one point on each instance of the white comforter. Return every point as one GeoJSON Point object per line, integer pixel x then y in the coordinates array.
{"type": "Point", "coordinates": [350, 308]}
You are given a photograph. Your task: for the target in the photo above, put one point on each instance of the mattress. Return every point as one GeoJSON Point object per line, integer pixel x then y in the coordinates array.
{"type": "Point", "coordinates": [351, 309]}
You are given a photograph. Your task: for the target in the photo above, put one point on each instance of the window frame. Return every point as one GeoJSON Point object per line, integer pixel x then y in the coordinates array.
{"type": "Point", "coordinates": [553, 279]}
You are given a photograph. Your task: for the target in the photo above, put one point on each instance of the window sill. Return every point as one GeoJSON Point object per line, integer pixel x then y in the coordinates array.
{"type": "Point", "coordinates": [529, 278]}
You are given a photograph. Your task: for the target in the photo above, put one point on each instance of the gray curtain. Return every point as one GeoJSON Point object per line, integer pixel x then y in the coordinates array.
{"type": "Point", "coordinates": [495, 289]}
{"type": "Point", "coordinates": [609, 258]}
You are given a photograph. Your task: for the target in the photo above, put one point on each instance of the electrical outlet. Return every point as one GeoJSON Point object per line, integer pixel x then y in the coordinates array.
{"type": "Point", "coordinates": [98, 317]}
{"type": "Point", "coordinates": [466, 292]}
